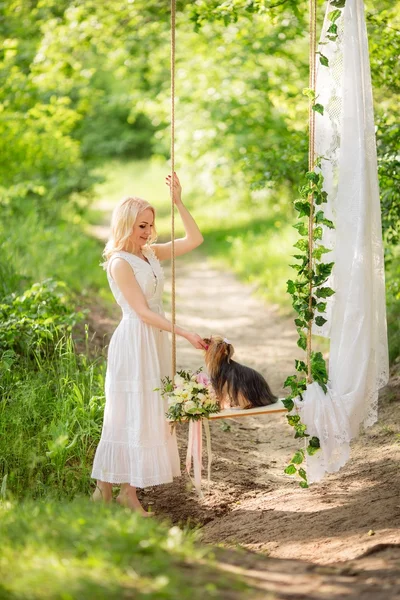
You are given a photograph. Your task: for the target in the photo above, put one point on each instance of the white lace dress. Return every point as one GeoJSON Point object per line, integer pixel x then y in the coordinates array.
{"type": "Point", "coordinates": [136, 445]}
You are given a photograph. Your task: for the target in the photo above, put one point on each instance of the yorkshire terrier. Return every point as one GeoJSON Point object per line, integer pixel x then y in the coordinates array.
{"type": "Point", "coordinates": [233, 383]}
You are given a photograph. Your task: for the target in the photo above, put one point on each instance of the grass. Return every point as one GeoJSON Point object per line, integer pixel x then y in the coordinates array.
{"type": "Point", "coordinates": [51, 413]}
{"type": "Point", "coordinates": [80, 551]}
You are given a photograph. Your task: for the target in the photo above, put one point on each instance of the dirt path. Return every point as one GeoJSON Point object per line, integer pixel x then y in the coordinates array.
{"type": "Point", "coordinates": [251, 502]}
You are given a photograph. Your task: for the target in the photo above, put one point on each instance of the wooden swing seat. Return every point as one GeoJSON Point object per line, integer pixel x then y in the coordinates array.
{"type": "Point", "coordinates": [230, 413]}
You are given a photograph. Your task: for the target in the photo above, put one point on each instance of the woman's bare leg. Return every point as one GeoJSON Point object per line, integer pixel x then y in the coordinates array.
{"type": "Point", "coordinates": [128, 498]}
{"type": "Point", "coordinates": [103, 492]}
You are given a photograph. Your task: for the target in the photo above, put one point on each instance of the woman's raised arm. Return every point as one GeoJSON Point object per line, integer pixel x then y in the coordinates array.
{"type": "Point", "coordinates": [193, 237]}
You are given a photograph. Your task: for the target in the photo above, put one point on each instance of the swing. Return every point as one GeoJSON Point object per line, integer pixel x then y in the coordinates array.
{"type": "Point", "coordinates": [347, 166]}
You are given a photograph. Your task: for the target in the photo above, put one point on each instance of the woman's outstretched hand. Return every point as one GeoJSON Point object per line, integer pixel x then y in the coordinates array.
{"type": "Point", "coordinates": [177, 188]}
{"type": "Point", "coordinates": [196, 341]}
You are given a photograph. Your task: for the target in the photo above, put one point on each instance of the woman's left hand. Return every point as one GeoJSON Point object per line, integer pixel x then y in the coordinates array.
{"type": "Point", "coordinates": [177, 190]}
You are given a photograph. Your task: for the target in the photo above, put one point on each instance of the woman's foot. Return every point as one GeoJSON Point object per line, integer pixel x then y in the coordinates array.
{"type": "Point", "coordinates": [128, 499]}
{"type": "Point", "coordinates": [102, 493]}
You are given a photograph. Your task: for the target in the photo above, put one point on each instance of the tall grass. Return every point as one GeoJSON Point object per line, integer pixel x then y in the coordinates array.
{"type": "Point", "coordinates": [50, 421]}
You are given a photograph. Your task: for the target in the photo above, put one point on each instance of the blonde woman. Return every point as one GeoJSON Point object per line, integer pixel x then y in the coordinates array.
{"type": "Point", "coordinates": [137, 449]}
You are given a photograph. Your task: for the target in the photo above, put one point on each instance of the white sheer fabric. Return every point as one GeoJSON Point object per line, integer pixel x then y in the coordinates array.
{"type": "Point", "coordinates": [345, 135]}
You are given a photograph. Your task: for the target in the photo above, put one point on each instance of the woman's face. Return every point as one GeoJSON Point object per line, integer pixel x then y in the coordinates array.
{"type": "Point", "coordinates": [142, 228]}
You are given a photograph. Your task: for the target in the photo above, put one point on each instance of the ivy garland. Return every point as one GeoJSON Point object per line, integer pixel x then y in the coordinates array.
{"type": "Point", "coordinates": [308, 289]}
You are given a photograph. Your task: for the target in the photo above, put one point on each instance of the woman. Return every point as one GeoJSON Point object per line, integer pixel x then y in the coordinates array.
{"type": "Point", "coordinates": [137, 448]}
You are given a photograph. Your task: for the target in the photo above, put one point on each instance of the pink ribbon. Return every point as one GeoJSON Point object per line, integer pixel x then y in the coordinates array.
{"type": "Point", "coordinates": [195, 451]}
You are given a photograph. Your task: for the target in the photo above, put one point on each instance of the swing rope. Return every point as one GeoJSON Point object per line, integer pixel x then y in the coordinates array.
{"type": "Point", "coordinates": [311, 162]}
{"type": "Point", "coordinates": [173, 307]}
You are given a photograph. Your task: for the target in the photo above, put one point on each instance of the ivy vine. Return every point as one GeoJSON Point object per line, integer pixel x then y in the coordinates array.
{"type": "Point", "coordinates": [309, 289]}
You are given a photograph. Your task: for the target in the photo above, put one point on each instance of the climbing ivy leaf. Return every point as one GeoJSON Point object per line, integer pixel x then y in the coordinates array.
{"type": "Point", "coordinates": [324, 60]}
{"type": "Point", "coordinates": [319, 251]}
{"type": "Point", "coordinates": [300, 366]}
{"type": "Point", "coordinates": [293, 419]}
{"type": "Point", "coordinates": [298, 458]}
{"type": "Point", "coordinates": [288, 404]}
{"type": "Point", "coordinates": [303, 208]}
{"type": "Point", "coordinates": [290, 470]}
{"type": "Point", "coordinates": [324, 292]}
{"type": "Point", "coordinates": [317, 233]}
{"type": "Point", "coordinates": [301, 228]}
{"type": "Point", "coordinates": [309, 93]}
{"type": "Point", "coordinates": [334, 15]}
{"type": "Point", "coordinates": [302, 244]}
{"type": "Point", "coordinates": [320, 321]}
{"type": "Point", "coordinates": [302, 474]}
{"type": "Point", "coordinates": [318, 108]}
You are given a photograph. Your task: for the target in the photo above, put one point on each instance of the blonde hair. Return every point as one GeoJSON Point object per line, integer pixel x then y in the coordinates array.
{"type": "Point", "coordinates": [122, 221]}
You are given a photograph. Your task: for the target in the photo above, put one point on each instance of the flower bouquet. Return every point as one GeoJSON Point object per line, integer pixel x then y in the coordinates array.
{"type": "Point", "coordinates": [190, 396]}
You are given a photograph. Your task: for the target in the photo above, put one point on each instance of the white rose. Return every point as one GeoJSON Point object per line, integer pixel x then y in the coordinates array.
{"type": "Point", "coordinates": [201, 397]}
{"type": "Point", "coordinates": [179, 381]}
{"type": "Point", "coordinates": [189, 406]}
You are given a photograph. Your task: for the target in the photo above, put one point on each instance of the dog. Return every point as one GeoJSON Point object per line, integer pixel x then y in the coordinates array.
{"type": "Point", "coordinates": [235, 385]}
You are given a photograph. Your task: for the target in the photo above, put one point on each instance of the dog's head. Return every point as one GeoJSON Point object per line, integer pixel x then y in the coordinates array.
{"type": "Point", "coordinates": [219, 350]}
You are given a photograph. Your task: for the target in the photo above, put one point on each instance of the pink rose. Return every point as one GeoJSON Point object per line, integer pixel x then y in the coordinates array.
{"type": "Point", "coordinates": [202, 378]}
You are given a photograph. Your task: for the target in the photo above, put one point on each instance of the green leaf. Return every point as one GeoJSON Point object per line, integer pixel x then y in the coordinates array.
{"type": "Point", "coordinates": [328, 223]}
{"type": "Point", "coordinates": [302, 473]}
{"type": "Point", "coordinates": [303, 484]}
{"type": "Point", "coordinates": [311, 450]}
{"type": "Point", "coordinates": [333, 29]}
{"type": "Point", "coordinates": [312, 176]}
{"type": "Point", "coordinates": [314, 442]}
{"type": "Point", "coordinates": [303, 208]}
{"type": "Point", "coordinates": [293, 419]}
{"type": "Point", "coordinates": [292, 379]}
{"type": "Point", "coordinates": [309, 93]}
{"type": "Point", "coordinates": [291, 288]}
{"type": "Point", "coordinates": [302, 343]}
{"type": "Point", "coordinates": [300, 323]}
{"type": "Point", "coordinates": [301, 366]}
{"type": "Point", "coordinates": [301, 245]}
{"type": "Point", "coordinates": [317, 233]}
{"type": "Point", "coordinates": [298, 458]}
{"type": "Point", "coordinates": [288, 404]}
{"type": "Point", "coordinates": [301, 430]}
{"type": "Point", "coordinates": [290, 470]}
{"type": "Point", "coordinates": [338, 3]}
{"type": "Point", "coordinates": [318, 108]}
{"type": "Point", "coordinates": [325, 269]}
{"type": "Point", "coordinates": [334, 15]}
{"type": "Point", "coordinates": [308, 315]}
{"type": "Point", "coordinates": [301, 228]}
{"type": "Point", "coordinates": [320, 321]}
{"type": "Point", "coordinates": [321, 306]}
{"type": "Point", "coordinates": [324, 60]}
{"type": "Point", "coordinates": [324, 292]}
{"type": "Point", "coordinates": [319, 251]}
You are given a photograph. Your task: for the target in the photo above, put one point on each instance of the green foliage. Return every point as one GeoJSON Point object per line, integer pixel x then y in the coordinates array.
{"type": "Point", "coordinates": [51, 416]}
{"type": "Point", "coordinates": [80, 551]}
{"type": "Point", "coordinates": [36, 320]}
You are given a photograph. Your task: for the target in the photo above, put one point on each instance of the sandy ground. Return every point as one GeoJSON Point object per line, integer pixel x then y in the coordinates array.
{"type": "Point", "coordinates": [349, 522]}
